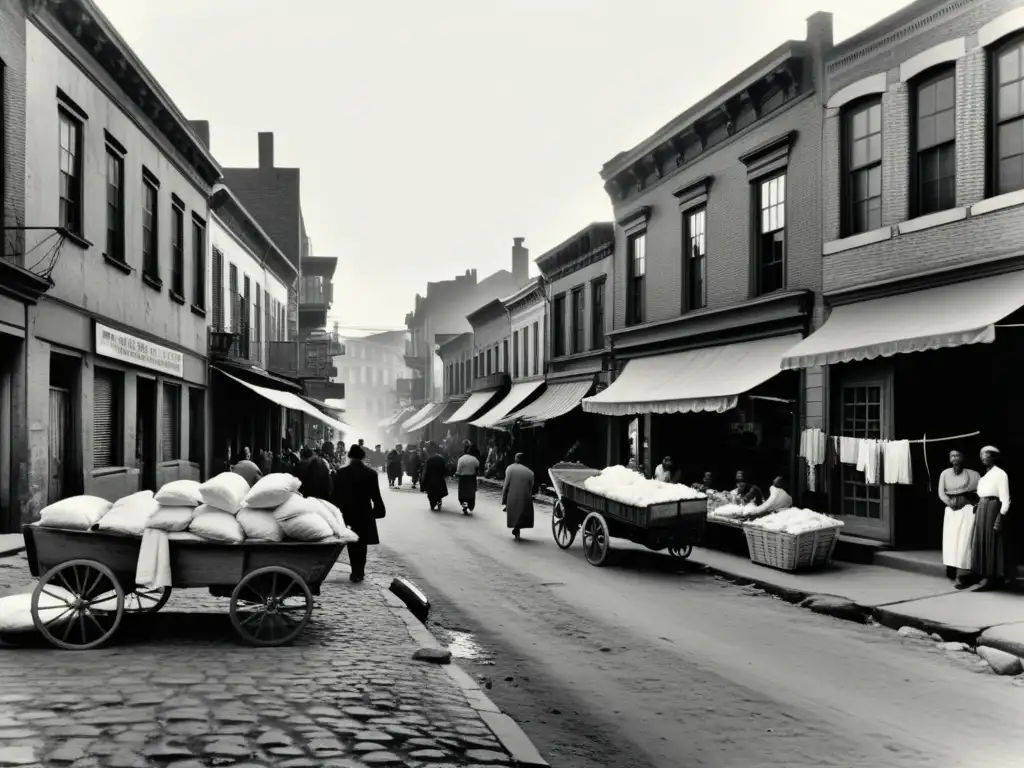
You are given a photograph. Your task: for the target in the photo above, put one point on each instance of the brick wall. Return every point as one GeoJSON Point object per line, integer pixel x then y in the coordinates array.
{"type": "Point", "coordinates": [12, 51]}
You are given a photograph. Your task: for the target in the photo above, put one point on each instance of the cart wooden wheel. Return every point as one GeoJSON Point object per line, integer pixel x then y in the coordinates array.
{"type": "Point", "coordinates": [270, 606]}
{"type": "Point", "coordinates": [564, 533]}
{"type": "Point", "coordinates": [682, 552]}
{"type": "Point", "coordinates": [85, 609]}
{"type": "Point", "coordinates": [145, 600]}
{"type": "Point", "coordinates": [595, 538]}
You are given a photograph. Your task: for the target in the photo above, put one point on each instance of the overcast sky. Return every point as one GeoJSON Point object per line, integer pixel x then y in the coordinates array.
{"type": "Point", "coordinates": [430, 134]}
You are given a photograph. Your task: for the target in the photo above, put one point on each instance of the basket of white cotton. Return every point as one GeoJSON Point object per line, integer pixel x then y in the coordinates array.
{"type": "Point", "coordinates": [792, 539]}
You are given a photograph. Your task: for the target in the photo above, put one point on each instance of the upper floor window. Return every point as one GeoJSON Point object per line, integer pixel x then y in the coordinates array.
{"type": "Point", "coordinates": [771, 241]}
{"type": "Point", "coordinates": [115, 204]}
{"type": "Point", "coordinates": [863, 149]}
{"type": "Point", "coordinates": [558, 327]}
{"type": "Point", "coordinates": [515, 354]}
{"type": "Point", "coordinates": [536, 348]}
{"type": "Point", "coordinates": [150, 264]}
{"type": "Point", "coordinates": [935, 143]}
{"type": "Point", "coordinates": [597, 314]}
{"type": "Point", "coordinates": [694, 260]}
{"type": "Point", "coordinates": [199, 262]}
{"type": "Point", "coordinates": [578, 320]}
{"type": "Point", "coordinates": [70, 213]}
{"type": "Point", "coordinates": [636, 272]}
{"type": "Point", "coordinates": [526, 352]}
{"type": "Point", "coordinates": [178, 257]}
{"type": "Point", "coordinates": [1008, 112]}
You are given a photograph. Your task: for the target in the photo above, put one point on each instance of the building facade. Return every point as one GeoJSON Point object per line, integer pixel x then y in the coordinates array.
{"type": "Point", "coordinates": [716, 270]}
{"type": "Point", "coordinates": [116, 394]}
{"type": "Point", "coordinates": [371, 369]}
{"type": "Point", "coordinates": [922, 260]}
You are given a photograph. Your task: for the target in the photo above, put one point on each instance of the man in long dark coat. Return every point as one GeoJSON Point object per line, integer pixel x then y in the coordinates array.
{"type": "Point", "coordinates": [517, 496]}
{"type": "Point", "coordinates": [435, 472]}
{"type": "Point", "coordinates": [357, 495]}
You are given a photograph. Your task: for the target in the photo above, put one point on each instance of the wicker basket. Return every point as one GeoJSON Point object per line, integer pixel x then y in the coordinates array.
{"type": "Point", "coordinates": [791, 552]}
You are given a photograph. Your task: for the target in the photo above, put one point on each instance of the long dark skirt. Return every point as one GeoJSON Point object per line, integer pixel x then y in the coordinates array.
{"type": "Point", "coordinates": [467, 491]}
{"type": "Point", "coordinates": [992, 553]}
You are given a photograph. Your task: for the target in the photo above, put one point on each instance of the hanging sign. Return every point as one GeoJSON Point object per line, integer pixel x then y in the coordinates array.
{"type": "Point", "coordinates": [122, 346]}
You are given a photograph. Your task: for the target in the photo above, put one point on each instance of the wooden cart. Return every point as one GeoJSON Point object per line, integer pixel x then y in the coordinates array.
{"type": "Point", "coordinates": [87, 583]}
{"type": "Point", "coordinates": [676, 526]}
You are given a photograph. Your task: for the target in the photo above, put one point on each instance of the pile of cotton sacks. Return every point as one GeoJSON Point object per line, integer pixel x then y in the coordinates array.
{"type": "Point", "coordinates": [629, 487]}
{"type": "Point", "coordinates": [223, 509]}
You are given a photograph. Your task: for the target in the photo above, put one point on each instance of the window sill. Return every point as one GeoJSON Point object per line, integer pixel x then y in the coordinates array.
{"type": "Point", "coordinates": [153, 282]}
{"type": "Point", "coordinates": [118, 264]}
{"type": "Point", "coordinates": [176, 296]}
{"type": "Point", "coordinates": [857, 241]}
{"type": "Point", "coordinates": [931, 220]}
{"type": "Point", "coordinates": [998, 203]}
{"type": "Point", "coordinates": [74, 237]}
{"type": "Point", "coordinates": [197, 310]}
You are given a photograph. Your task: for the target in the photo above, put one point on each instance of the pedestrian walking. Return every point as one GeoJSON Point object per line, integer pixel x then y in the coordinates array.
{"type": "Point", "coordinates": [245, 467]}
{"type": "Point", "coordinates": [958, 487]}
{"type": "Point", "coordinates": [414, 465]}
{"type": "Point", "coordinates": [357, 495]}
{"type": "Point", "coordinates": [394, 466]}
{"type": "Point", "coordinates": [466, 471]}
{"type": "Point", "coordinates": [434, 482]}
{"type": "Point", "coordinates": [992, 553]}
{"type": "Point", "coordinates": [517, 496]}
{"type": "Point", "coordinates": [316, 479]}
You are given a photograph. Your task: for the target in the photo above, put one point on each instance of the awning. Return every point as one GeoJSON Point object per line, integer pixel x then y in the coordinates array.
{"type": "Point", "coordinates": [443, 410]}
{"type": "Point", "coordinates": [425, 412]}
{"type": "Point", "coordinates": [707, 379]}
{"type": "Point", "coordinates": [931, 318]}
{"type": "Point", "coordinates": [515, 397]}
{"type": "Point", "coordinates": [291, 402]}
{"type": "Point", "coordinates": [470, 408]}
{"type": "Point", "coordinates": [557, 400]}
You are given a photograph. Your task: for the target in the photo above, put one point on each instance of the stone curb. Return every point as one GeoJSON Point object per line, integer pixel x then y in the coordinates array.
{"type": "Point", "coordinates": [11, 552]}
{"type": "Point", "coordinates": [505, 729]}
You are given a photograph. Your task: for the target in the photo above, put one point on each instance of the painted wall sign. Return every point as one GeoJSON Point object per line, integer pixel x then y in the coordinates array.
{"type": "Point", "coordinates": [122, 346]}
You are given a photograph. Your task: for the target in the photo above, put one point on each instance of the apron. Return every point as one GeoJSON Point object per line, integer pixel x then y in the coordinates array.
{"type": "Point", "coordinates": [958, 532]}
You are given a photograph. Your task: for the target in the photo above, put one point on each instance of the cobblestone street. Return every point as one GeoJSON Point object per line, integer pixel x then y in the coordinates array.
{"type": "Point", "coordinates": [177, 690]}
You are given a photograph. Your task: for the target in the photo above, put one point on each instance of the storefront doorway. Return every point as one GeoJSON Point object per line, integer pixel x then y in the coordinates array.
{"type": "Point", "coordinates": [65, 386]}
{"type": "Point", "coordinates": [10, 515]}
{"type": "Point", "coordinates": [146, 434]}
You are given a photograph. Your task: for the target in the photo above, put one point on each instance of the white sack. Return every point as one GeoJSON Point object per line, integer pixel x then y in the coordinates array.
{"type": "Point", "coordinates": [216, 525]}
{"type": "Point", "coordinates": [332, 515]}
{"type": "Point", "coordinates": [225, 492]}
{"type": "Point", "coordinates": [153, 569]}
{"type": "Point", "coordinates": [271, 491]}
{"type": "Point", "coordinates": [260, 524]}
{"type": "Point", "coordinates": [171, 519]}
{"type": "Point", "coordinates": [16, 610]}
{"type": "Point", "coordinates": [303, 519]}
{"type": "Point", "coordinates": [180, 493]}
{"type": "Point", "coordinates": [78, 513]}
{"type": "Point", "coordinates": [130, 515]}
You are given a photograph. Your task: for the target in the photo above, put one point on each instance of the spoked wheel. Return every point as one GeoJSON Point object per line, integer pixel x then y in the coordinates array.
{"type": "Point", "coordinates": [78, 605]}
{"type": "Point", "coordinates": [595, 539]}
{"type": "Point", "coordinates": [681, 552]}
{"type": "Point", "coordinates": [145, 600]}
{"type": "Point", "coordinates": [564, 533]}
{"type": "Point", "coordinates": [270, 606]}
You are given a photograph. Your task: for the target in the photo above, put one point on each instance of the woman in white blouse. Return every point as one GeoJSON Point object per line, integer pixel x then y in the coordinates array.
{"type": "Point", "coordinates": [991, 556]}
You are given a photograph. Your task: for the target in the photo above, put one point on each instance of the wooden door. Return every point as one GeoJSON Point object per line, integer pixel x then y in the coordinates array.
{"type": "Point", "coordinates": [58, 442]}
{"type": "Point", "coordinates": [863, 413]}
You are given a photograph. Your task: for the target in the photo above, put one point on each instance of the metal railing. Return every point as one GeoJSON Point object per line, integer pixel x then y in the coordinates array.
{"type": "Point", "coordinates": [301, 359]}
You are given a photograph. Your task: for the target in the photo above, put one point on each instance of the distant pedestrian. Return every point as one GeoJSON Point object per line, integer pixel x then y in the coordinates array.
{"type": "Point", "coordinates": [394, 467]}
{"type": "Point", "coordinates": [466, 471]}
{"type": "Point", "coordinates": [517, 496]}
{"type": "Point", "coordinates": [434, 483]}
{"type": "Point", "coordinates": [316, 479]}
{"type": "Point", "coordinates": [245, 467]}
{"type": "Point", "coordinates": [357, 495]}
{"type": "Point", "coordinates": [414, 465]}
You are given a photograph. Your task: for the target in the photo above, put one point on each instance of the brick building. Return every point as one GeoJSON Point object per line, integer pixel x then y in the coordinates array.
{"type": "Point", "coordinates": [923, 253]}
{"type": "Point", "coordinates": [715, 273]}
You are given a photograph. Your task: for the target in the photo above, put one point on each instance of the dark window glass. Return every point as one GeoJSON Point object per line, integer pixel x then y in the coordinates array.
{"type": "Point", "coordinates": [597, 315]}
{"type": "Point", "coordinates": [199, 263]}
{"type": "Point", "coordinates": [864, 168]}
{"type": "Point", "coordinates": [115, 205]}
{"type": "Point", "coordinates": [695, 260]}
{"type": "Point", "coordinates": [578, 320]}
{"type": "Point", "coordinates": [70, 209]}
{"type": "Point", "coordinates": [771, 243]}
{"type": "Point", "coordinates": [178, 257]}
{"type": "Point", "coordinates": [1009, 118]}
{"type": "Point", "coordinates": [150, 263]}
{"type": "Point", "coordinates": [637, 272]}
{"type": "Point", "coordinates": [935, 155]}
{"type": "Point", "coordinates": [558, 327]}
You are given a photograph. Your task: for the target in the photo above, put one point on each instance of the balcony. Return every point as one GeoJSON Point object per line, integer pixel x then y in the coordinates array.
{"type": "Point", "coordinates": [301, 359]}
{"type": "Point", "coordinates": [236, 347]}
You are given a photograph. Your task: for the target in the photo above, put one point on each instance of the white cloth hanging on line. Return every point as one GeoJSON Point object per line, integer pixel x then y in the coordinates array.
{"type": "Point", "coordinates": [897, 470]}
{"type": "Point", "coordinates": [848, 450]}
{"type": "Point", "coordinates": [869, 460]}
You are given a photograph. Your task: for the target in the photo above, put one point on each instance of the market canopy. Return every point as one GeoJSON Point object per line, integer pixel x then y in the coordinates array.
{"type": "Point", "coordinates": [291, 402]}
{"type": "Point", "coordinates": [443, 409]}
{"type": "Point", "coordinates": [557, 400]}
{"type": "Point", "coordinates": [706, 379]}
{"type": "Point", "coordinates": [413, 423]}
{"type": "Point", "coordinates": [932, 318]}
{"type": "Point", "coordinates": [476, 402]}
{"type": "Point", "coordinates": [515, 398]}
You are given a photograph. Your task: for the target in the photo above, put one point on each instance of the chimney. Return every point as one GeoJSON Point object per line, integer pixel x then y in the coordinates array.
{"type": "Point", "coordinates": [202, 130]}
{"type": "Point", "coordinates": [266, 150]}
{"type": "Point", "coordinates": [520, 261]}
{"type": "Point", "coordinates": [819, 30]}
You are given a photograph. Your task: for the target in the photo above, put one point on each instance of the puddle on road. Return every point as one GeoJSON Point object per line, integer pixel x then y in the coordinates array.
{"type": "Point", "coordinates": [463, 645]}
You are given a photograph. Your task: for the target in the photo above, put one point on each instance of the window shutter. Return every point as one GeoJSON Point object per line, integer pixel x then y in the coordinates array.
{"type": "Point", "coordinates": [171, 422]}
{"type": "Point", "coordinates": [103, 421]}
{"type": "Point", "coordinates": [218, 288]}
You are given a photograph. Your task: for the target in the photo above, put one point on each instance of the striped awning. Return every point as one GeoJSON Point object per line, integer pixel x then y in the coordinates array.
{"type": "Point", "coordinates": [410, 424]}
{"type": "Point", "coordinates": [469, 409]}
{"type": "Point", "coordinates": [515, 398]}
{"type": "Point", "coordinates": [291, 402]}
{"type": "Point", "coordinates": [443, 411]}
{"type": "Point", "coordinates": [557, 400]}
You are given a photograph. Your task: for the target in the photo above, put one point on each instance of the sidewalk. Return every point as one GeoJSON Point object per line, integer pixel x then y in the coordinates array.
{"type": "Point", "coordinates": [893, 598]}
{"type": "Point", "coordinates": [11, 544]}
{"type": "Point", "coordinates": [178, 688]}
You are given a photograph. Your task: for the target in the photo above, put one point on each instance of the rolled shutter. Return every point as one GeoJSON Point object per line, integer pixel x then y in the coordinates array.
{"type": "Point", "coordinates": [103, 419]}
{"type": "Point", "coordinates": [171, 422]}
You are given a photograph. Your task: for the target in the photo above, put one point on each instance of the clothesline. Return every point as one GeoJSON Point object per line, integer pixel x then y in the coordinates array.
{"type": "Point", "coordinates": [964, 436]}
